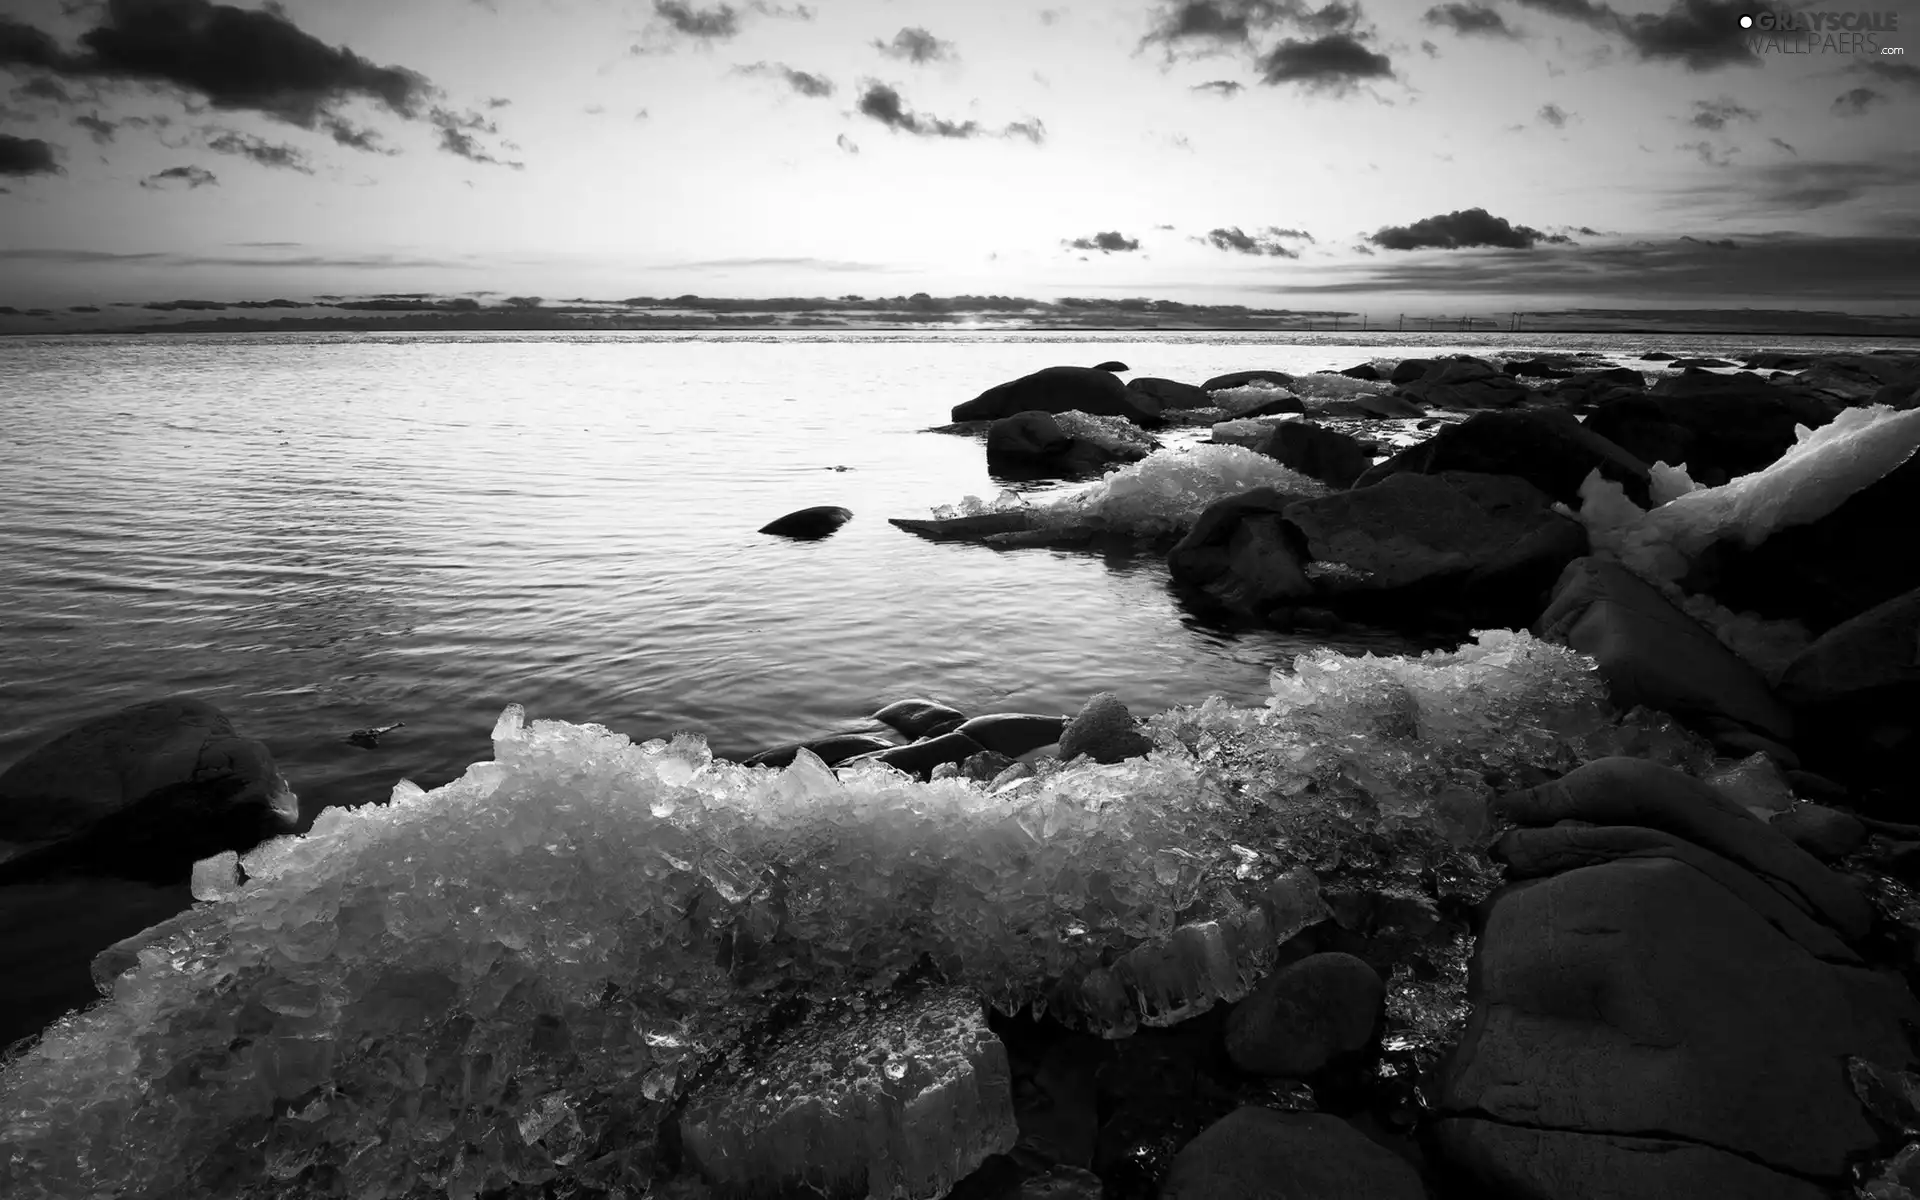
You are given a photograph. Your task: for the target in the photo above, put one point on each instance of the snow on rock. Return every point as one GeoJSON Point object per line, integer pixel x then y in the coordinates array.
{"type": "Point", "coordinates": [1167, 491]}
{"type": "Point", "coordinates": [1236, 400]}
{"type": "Point", "coordinates": [513, 978]}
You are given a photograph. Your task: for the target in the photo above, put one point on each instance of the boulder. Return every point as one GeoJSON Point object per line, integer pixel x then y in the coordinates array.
{"type": "Point", "coordinates": [1013, 734]}
{"type": "Point", "coordinates": [1278, 406]}
{"type": "Point", "coordinates": [1234, 379]}
{"type": "Point", "coordinates": [142, 793]}
{"type": "Point", "coordinates": [1826, 833]}
{"type": "Point", "coordinates": [921, 757]}
{"type": "Point", "coordinates": [1547, 448]}
{"type": "Point", "coordinates": [1902, 396]}
{"type": "Point", "coordinates": [1587, 387]}
{"type": "Point", "coordinates": [1855, 695]}
{"type": "Point", "coordinates": [1774, 360]}
{"type": "Point", "coordinates": [1305, 1015]}
{"type": "Point", "coordinates": [809, 524]}
{"type": "Point", "coordinates": [918, 718]}
{"type": "Point", "coordinates": [1466, 383]}
{"type": "Point", "coordinates": [1318, 452]}
{"type": "Point", "coordinates": [1242, 554]}
{"type": "Point", "coordinates": [1257, 1153]}
{"type": "Point", "coordinates": [1636, 1004]}
{"type": "Point", "coordinates": [1027, 435]}
{"type": "Point", "coordinates": [1104, 731]}
{"type": "Point", "coordinates": [967, 529]}
{"type": "Point", "coordinates": [1540, 368]}
{"type": "Point", "coordinates": [1111, 365]}
{"type": "Point", "coordinates": [1652, 653]}
{"type": "Point", "coordinates": [1058, 390]}
{"type": "Point", "coordinates": [1171, 393]}
{"type": "Point", "coordinates": [1366, 371]}
{"type": "Point", "coordinates": [1408, 370]}
{"type": "Point", "coordinates": [1397, 406]}
{"type": "Point", "coordinates": [1656, 356]}
{"type": "Point", "coordinates": [831, 750]}
{"type": "Point", "coordinates": [1694, 364]}
{"type": "Point", "coordinates": [1718, 425]}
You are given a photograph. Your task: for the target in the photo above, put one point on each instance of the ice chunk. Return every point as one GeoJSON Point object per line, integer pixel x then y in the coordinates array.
{"type": "Point", "coordinates": [1755, 783]}
{"type": "Point", "coordinates": [1334, 386]}
{"type": "Point", "coordinates": [1235, 400]}
{"type": "Point", "coordinates": [1669, 483]}
{"type": "Point", "coordinates": [217, 878]}
{"type": "Point", "coordinates": [1116, 435]}
{"type": "Point", "coordinates": [1248, 432]}
{"type": "Point", "coordinates": [1165, 492]}
{"type": "Point", "coordinates": [1767, 645]}
{"type": "Point", "coordinates": [904, 1100]}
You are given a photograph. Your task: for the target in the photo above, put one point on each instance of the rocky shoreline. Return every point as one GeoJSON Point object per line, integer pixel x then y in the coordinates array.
{"type": "Point", "coordinates": [1509, 921]}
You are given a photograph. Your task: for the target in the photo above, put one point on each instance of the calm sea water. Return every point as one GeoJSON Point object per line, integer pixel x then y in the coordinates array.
{"type": "Point", "coordinates": [319, 533]}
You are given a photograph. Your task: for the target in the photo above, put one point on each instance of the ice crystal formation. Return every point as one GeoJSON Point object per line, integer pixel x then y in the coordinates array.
{"type": "Point", "coordinates": [1114, 434]}
{"type": "Point", "coordinates": [515, 977]}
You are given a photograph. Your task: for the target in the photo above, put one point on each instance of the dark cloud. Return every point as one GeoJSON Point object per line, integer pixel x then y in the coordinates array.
{"type": "Point", "coordinates": [1268, 242]}
{"type": "Point", "coordinates": [1554, 115]}
{"type": "Point", "coordinates": [1460, 230]}
{"type": "Point", "coordinates": [267, 154]}
{"type": "Point", "coordinates": [456, 135]}
{"type": "Point", "coordinates": [1801, 184]}
{"type": "Point", "coordinates": [1702, 34]}
{"type": "Point", "coordinates": [1714, 115]}
{"type": "Point", "coordinates": [884, 105]}
{"type": "Point", "coordinates": [97, 127]}
{"type": "Point", "coordinates": [193, 177]}
{"type": "Point", "coordinates": [26, 156]}
{"type": "Point", "coordinates": [1220, 87]}
{"type": "Point", "coordinates": [83, 308]}
{"type": "Point", "coordinates": [1900, 74]}
{"type": "Point", "coordinates": [1787, 146]}
{"type": "Point", "coordinates": [1708, 153]}
{"type": "Point", "coordinates": [804, 82]}
{"type": "Point", "coordinates": [1032, 129]}
{"type": "Point", "coordinates": [1106, 243]}
{"type": "Point", "coordinates": [1471, 20]}
{"type": "Point", "coordinates": [1722, 244]}
{"type": "Point", "coordinates": [846, 143]}
{"type": "Point", "coordinates": [498, 102]}
{"type": "Point", "coordinates": [1225, 23]}
{"type": "Point", "coordinates": [42, 87]}
{"type": "Point", "coordinates": [1334, 63]}
{"type": "Point", "coordinates": [1431, 51]}
{"type": "Point", "coordinates": [1857, 101]}
{"type": "Point", "coordinates": [718, 23]}
{"type": "Point", "coordinates": [23, 45]}
{"type": "Point", "coordinates": [916, 45]}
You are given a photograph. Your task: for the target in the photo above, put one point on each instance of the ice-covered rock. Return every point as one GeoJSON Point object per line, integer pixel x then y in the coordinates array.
{"type": "Point", "coordinates": [1249, 396]}
{"type": "Point", "coordinates": [217, 878]}
{"type": "Point", "coordinates": [1117, 436]}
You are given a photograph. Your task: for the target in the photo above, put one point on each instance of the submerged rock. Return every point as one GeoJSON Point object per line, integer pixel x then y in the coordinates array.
{"type": "Point", "coordinates": [1170, 393]}
{"type": "Point", "coordinates": [1334, 458]}
{"type": "Point", "coordinates": [142, 793]}
{"type": "Point", "coordinates": [833, 749]}
{"type": "Point", "coordinates": [918, 718]}
{"type": "Point", "coordinates": [809, 524]}
{"type": "Point", "coordinates": [1256, 1153]}
{"type": "Point", "coordinates": [1235, 379]}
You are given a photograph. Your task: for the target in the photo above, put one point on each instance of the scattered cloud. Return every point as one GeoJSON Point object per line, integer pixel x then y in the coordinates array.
{"type": "Point", "coordinates": [1708, 153]}
{"type": "Point", "coordinates": [1433, 51]}
{"type": "Point", "coordinates": [456, 135]}
{"type": "Point", "coordinates": [804, 82]}
{"type": "Point", "coordinates": [498, 102]}
{"type": "Point", "coordinates": [916, 45]}
{"type": "Point", "coordinates": [267, 154]}
{"type": "Point", "coordinates": [1713, 115]}
{"type": "Point", "coordinates": [1460, 230]}
{"type": "Point", "coordinates": [1857, 101]}
{"type": "Point", "coordinates": [884, 105]}
{"type": "Point", "coordinates": [83, 308]}
{"type": "Point", "coordinates": [40, 87]}
{"type": "Point", "coordinates": [1803, 184]}
{"type": "Point", "coordinates": [1219, 87]}
{"type": "Point", "coordinates": [1269, 242]}
{"type": "Point", "coordinates": [1700, 34]}
{"type": "Point", "coordinates": [1554, 115]}
{"type": "Point", "coordinates": [1471, 20]}
{"type": "Point", "coordinates": [193, 177]}
{"type": "Point", "coordinates": [1105, 243]}
{"type": "Point", "coordinates": [1051, 16]}
{"type": "Point", "coordinates": [1787, 146]}
{"type": "Point", "coordinates": [718, 23]}
{"type": "Point", "coordinates": [846, 143]}
{"type": "Point", "coordinates": [1722, 244]}
{"type": "Point", "coordinates": [98, 128]}
{"type": "Point", "coordinates": [1335, 64]}
{"type": "Point", "coordinates": [26, 156]}
{"type": "Point", "coordinates": [1032, 129]}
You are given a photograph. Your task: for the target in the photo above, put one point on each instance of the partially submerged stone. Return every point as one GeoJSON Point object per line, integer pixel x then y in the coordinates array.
{"type": "Point", "coordinates": [1058, 390]}
{"type": "Point", "coordinates": [1547, 448]}
{"type": "Point", "coordinates": [1305, 1015]}
{"type": "Point", "coordinates": [1256, 1153]}
{"type": "Point", "coordinates": [832, 749]}
{"type": "Point", "coordinates": [918, 718]}
{"type": "Point", "coordinates": [1104, 731]}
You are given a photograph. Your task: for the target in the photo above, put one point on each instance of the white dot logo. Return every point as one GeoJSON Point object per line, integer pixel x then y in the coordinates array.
{"type": "Point", "coordinates": [1746, 22]}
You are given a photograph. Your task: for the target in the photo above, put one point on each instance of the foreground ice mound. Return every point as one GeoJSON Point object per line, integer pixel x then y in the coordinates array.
{"type": "Point", "coordinates": [514, 978]}
{"type": "Point", "coordinates": [1810, 480]}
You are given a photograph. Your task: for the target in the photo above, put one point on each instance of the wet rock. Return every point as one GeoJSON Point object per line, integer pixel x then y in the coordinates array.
{"type": "Point", "coordinates": [1902, 396]}
{"type": "Point", "coordinates": [1234, 379]}
{"type": "Point", "coordinates": [1242, 553]}
{"type": "Point", "coordinates": [1259, 1154]}
{"type": "Point", "coordinates": [809, 524]}
{"type": "Point", "coordinates": [1855, 693]}
{"type": "Point", "coordinates": [1699, 363]}
{"type": "Point", "coordinates": [1111, 365]}
{"type": "Point", "coordinates": [1278, 406]}
{"type": "Point", "coordinates": [1104, 731]}
{"type": "Point", "coordinates": [143, 793]}
{"type": "Point", "coordinates": [1027, 435]}
{"type": "Point", "coordinates": [1058, 390]}
{"type": "Point", "coordinates": [1540, 368]}
{"type": "Point", "coordinates": [1656, 356]}
{"type": "Point", "coordinates": [1585, 388]}
{"type": "Point", "coordinates": [1466, 383]}
{"type": "Point", "coordinates": [1408, 370]}
{"type": "Point", "coordinates": [1548, 449]}
{"type": "Point", "coordinates": [1652, 653]}
{"type": "Point", "coordinates": [1318, 452]}
{"type": "Point", "coordinates": [1822, 832]}
{"type": "Point", "coordinates": [983, 767]}
{"type": "Point", "coordinates": [1641, 1000]}
{"type": "Point", "coordinates": [918, 718]}
{"type": "Point", "coordinates": [831, 750]}
{"type": "Point", "coordinates": [1013, 734]}
{"type": "Point", "coordinates": [1366, 371]}
{"type": "Point", "coordinates": [967, 529]}
{"type": "Point", "coordinates": [1397, 406]}
{"type": "Point", "coordinates": [1305, 1015]}
{"type": "Point", "coordinates": [1720, 426]}
{"type": "Point", "coordinates": [920, 758]}
{"type": "Point", "coordinates": [1170, 393]}
{"type": "Point", "coordinates": [1774, 360]}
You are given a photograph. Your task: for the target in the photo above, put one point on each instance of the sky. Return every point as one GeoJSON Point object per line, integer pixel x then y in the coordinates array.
{"type": "Point", "coordinates": [1375, 155]}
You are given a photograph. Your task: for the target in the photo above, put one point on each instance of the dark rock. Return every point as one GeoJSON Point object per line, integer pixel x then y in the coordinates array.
{"type": "Point", "coordinates": [1409, 370]}
{"type": "Point", "coordinates": [967, 529]}
{"type": "Point", "coordinates": [1058, 390]}
{"type": "Point", "coordinates": [143, 793]}
{"type": "Point", "coordinates": [1466, 383]}
{"type": "Point", "coordinates": [1540, 368]}
{"type": "Point", "coordinates": [1111, 365]}
{"type": "Point", "coordinates": [1013, 734]}
{"type": "Point", "coordinates": [1549, 449]}
{"type": "Point", "coordinates": [920, 758]}
{"type": "Point", "coordinates": [1303, 1016]}
{"type": "Point", "coordinates": [1234, 379]}
{"type": "Point", "coordinates": [1809, 785]}
{"type": "Point", "coordinates": [831, 750]}
{"type": "Point", "coordinates": [1651, 653]}
{"type": "Point", "coordinates": [53, 930]}
{"type": "Point", "coordinates": [1698, 363]}
{"type": "Point", "coordinates": [1902, 396]}
{"type": "Point", "coordinates": [1242, 553]}
{"type": "Point", "coordinates": [983, 767]}
{"type": "Point", "coordinates": [1633, 791]}
{"type": "Point", "coordinates": [1640, 1001]}
{"type": "Point", "coordinates": [1027, 435]}
{"type": "Point", "coordinates": [1397, 406]}
{"type": "Point", "coordinates": [809, 524]}
{"type": "Point", "coordinates": [1171, 393]}
{"type": "Point", "coordinates": [1278, 406]}
{"type": "Point", "coordinates": [1823, 832]}
{"type": "Point", "coordinates": [1256, 1153]}
{"type": "Point", "coordinates": [918, 718]}
{"type": "Point", "coordinates": [1774, 360]}
{"type": "Point", "coordinates": [1860, 555]}
{"type": "Point", "coordinates": [1366, 371]}
{"type": "Point", "coordinates": [1719, 425]}
{"type": "Point", "coordinates": [1589, 387]}
{"type": "Point", "coordinates": [1104, 731]}
{"type": "Point", "coordinates": [1318, 452]}
{"type": "Point", "coordinates": [1656, 356]}
{"type": "Point", "coordinates": [1855, 694]}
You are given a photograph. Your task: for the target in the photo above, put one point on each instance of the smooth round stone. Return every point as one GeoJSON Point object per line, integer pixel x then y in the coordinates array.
{"type": "Point", "coordinates": [1305, 1015]}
